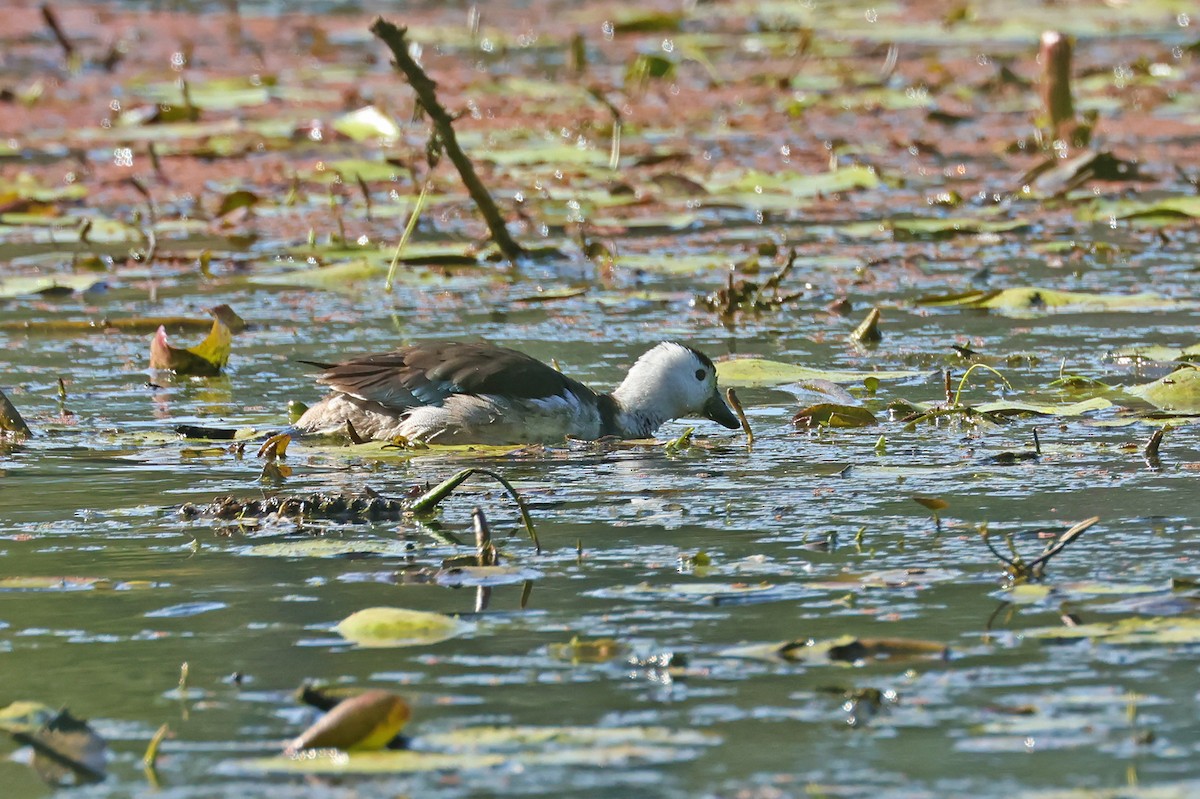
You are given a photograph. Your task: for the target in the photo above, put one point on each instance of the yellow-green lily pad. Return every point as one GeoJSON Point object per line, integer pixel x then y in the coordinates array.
{"type": "Point", "coordinates": [1028, 299]}
{"type": "Point", "coordinates": [1136, 630]}
{"type": "Point", "coordinates": [1014, 407]}
{"type": "Point", "coordinates": [396, 627]}
{"type": "Point", "coordinates": [23, 286]}
{"type": "Point", "coordinates": [1178, 391]}
{"type": "Point", "coordinates": [325, 548]}
{"type": "Point", "coordinates": [759, 372]}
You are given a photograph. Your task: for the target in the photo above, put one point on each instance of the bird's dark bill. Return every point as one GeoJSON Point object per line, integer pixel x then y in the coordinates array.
{"type": "Point", "coordinates": [719, 412]}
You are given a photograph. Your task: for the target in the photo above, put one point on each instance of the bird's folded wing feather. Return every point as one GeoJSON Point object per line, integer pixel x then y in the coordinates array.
{"type": "Point", "coordinates": [426, 374]}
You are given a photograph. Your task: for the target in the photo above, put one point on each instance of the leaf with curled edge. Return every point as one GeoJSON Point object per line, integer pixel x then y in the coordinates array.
{"type": "Point", "coordinates": [206, 359]}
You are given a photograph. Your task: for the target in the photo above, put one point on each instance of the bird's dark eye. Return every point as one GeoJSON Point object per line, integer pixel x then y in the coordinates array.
{"type": "Point", "coordinates": [701, 374]}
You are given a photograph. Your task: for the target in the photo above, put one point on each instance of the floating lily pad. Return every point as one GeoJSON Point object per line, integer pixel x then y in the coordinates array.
{"type": "Point", "coordinates": [1137, 630]}
{"type": "Point", "coordinates": [845, 649]}
{"type": "Point", "coordinates": [689, 592]}
{"type": "Point", "coordinates": [1165, 210]}
{"type": "Point", "coordinates": [325, 548]}
{"type": "Point", "coordinates": [1015, 407]}
{"type": "Point", "coordinates": [828, 414]}
{"type": "Point", "coordinates": [467, 739]}
{"type": "Point", "coordinates": [759, 372]}
{"type": "Point", "coordinates": [68, 584]}
{"type": "Point", "coordinates": [1039, 299]}
{"type": "Point", "coordinates": [890, 578]}
{"type": "Point", "coordinates": [25, 716]}
{"type": "Point", "coordinates": [395, 627]}
{"type": "Point", "coordinates": [902, 228]}
{"type": "Point", "coordinates": [333, 761]}
{"type": "Point", "coordinates": [1159, 353]}
{"type": "Point", "coordinates": [487, 747]}
{"type": "Point", "coordinates": [1178, 391]}
{"type": "Point", "coordinates": [367, 123]}
{"type": "Point", "coordinates": [23, 286]}
{"type": "Point", "coordinates": [797, 184]}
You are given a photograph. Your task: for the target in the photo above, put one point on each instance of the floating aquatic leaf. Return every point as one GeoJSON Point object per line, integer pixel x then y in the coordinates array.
{"type": "Point", "coordinates": [846, 649]}
{"type": "Point", "coordinates": [27, 187]}
{"type": "Point", "coordinates": [1165, 210]}
{"type": "Point", "coordinates": [1136, 630]}
{"type": "Point", "coordinates": [1039, 299]}
{"type": "Point", "coordinates": [325, 548]}
{"type": "Point", "coordinates": [217, 94]}
{"type": "Point", "coordinates": [365, 722]}
{"type": "Point", "coordinates": [597, 650]}
{"type": "Point", "coordinates": [68, 584]}
{"type": "Point", "coordinates": [486, 747]}
{"type": "Point", "coordinates": [932, 503]}
{"type": "Point", "coordinates": [10, 418]}
{"type": "Point", "coordinates": [1055, 177]}
{"type": "Point", "coordinates": [367, 123]}
{"type": "Point", "coordinates": [1015, 407]}
{"type": "Point", "coordinates": [235, 200]}
{"type": "Point", "coordinates": [333, 761]}
{"type": "Point", "coordinates": [484, 575]}
{"type": "Point", "coordinates": [796, 184]}
{"type": "Point", "coordinates": [25, 716]}
{"type": "Point", "coordinates": [206, 359]}
{"type": "Point", "coordinates": [828, 414]}
{"type": "Point", "coordinates": [758, 372]}
{"type": "Point", "coordinates": [676, 264]}
{"type": "Point", "coordinates": [394, 627]}
{"type": "Point", "coordinates": [66, 751]}
{"type": "Point", "coordinates": [889, 579]}
{"type": "Point", "coordinates": [906, 228]}
{"type": "Point", "coordinates": [22, 286]}
{"type": "Point", "coordinates": [1178, 391]}
{"type": "Point", "coordinates": [1158, 353]}
{"type": "Point", "coordinates": [465, 739]}
{"type": "Point", "coordinates": [690, 592]}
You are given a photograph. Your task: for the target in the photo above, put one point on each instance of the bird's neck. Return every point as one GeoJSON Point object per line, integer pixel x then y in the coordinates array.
{"type": "Point", "coordinates": [636, 411]}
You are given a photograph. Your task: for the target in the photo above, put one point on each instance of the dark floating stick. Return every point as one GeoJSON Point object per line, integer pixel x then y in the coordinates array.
{"type": "Point", "coordinates": [426, 90]}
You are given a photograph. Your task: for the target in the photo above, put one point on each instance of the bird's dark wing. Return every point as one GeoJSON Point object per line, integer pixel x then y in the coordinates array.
{"type": "Point", "coordinates": [428, 373]}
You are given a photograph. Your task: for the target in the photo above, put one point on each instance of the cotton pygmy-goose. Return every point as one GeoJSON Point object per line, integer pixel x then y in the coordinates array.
{"type": "Point", "coordinates": [453, 393]}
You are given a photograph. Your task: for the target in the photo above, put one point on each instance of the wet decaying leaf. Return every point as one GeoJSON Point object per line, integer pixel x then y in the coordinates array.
{"type": "Point", "coordinates": [1055, 177]}
{"type": "Point", "coordinates": [1129, 632]}
{"type": "Point", "coordinates": [827, 414]}
{"type": "Point", "coordinates": [598, 650]}
{"type": "Point", "coordinates": [206, 359]}
{"type": "Point", "coordinates": [10, 418]}
{"type": "Point", "coordinates": [846, 649]}
{"type": "Point", "coordinates": [66, 751]}
{"type": "Point", "coordinates": [365, 722]}
{"type": "Point", "coordinates": [470, 748]}
{"type": "Point", "coordinates": [1040, 299]}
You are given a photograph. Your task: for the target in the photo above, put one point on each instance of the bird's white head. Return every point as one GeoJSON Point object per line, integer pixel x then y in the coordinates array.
{"type": "Point", "coordinates": [668, 382]}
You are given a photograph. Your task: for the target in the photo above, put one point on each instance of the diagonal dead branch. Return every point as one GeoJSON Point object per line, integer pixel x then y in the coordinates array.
{"type": "Point", "coordinates": [426, 89]}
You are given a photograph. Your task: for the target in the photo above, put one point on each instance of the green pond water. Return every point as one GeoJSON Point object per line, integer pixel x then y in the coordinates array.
{"type": "Point", "coordinates": [96, 498]}
{"type": "Point", "coordinates": [806, 535]}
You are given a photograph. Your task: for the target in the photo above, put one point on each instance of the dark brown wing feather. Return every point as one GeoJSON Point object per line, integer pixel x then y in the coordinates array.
{"type": "Point", "coordinates": [428, 373]}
